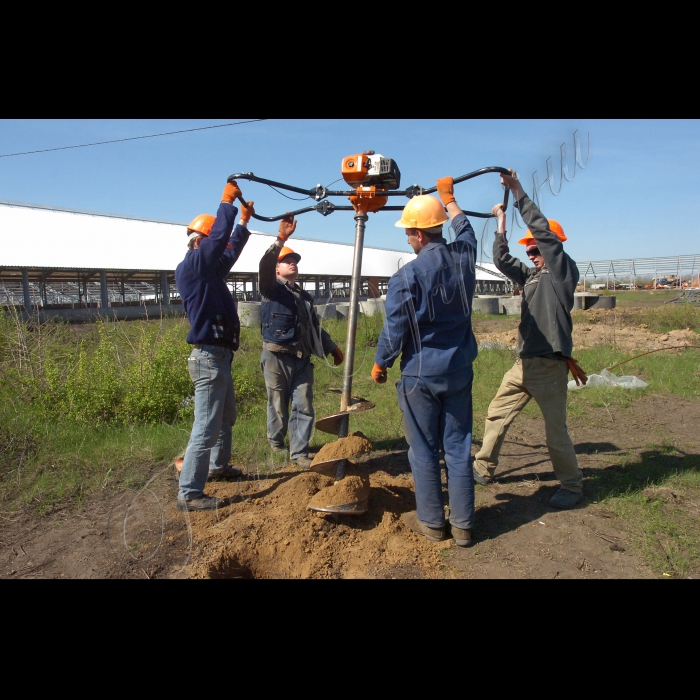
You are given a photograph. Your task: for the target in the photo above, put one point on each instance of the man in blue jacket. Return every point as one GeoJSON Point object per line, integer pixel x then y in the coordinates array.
{"type": "Point", "coordinates": [214, 335]}
{"type": "Point", "coordinates": [428, 323]}
{"type": "Point", "coordinates": [291, 335]}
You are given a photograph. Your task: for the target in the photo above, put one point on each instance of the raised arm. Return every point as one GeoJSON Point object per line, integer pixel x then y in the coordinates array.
{"type": "Point", "coordinates": [461, 224]}
{"type": "Point", "coordinates": [504, 261]}
{"type": "Point", "coordinates": [268, 262]}
{"type": "Point", "coordinates": [237, 242]}
{"type": "Point", "coordinates": [562, 268]}
{"type": "Point", "coordinates": [212, 247]}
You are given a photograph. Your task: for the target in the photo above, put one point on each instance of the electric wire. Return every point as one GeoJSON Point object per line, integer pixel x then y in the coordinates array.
{"type": "Point", "coordinates": [301, 199]}
{"type": "Point", "coordinates": [132, 138]}
{"type": "Point", "coordinates": [296, 199]}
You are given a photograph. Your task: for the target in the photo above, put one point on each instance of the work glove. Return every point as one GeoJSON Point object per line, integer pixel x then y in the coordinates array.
{"type": "Point", "coordinates": [247, 210]}
{"type": "Point", "coordinates": [338, 356]}
{"type": "Point", "coordinates": [378, 374]}
{"type": "Point", "coordinates": [231, 192]}
{"type": "Point", "coordinates": [445, 188]}
{"type": "Point", "coordinates": [578, 374]}
{"type": "Point", "coordinates": [287, 227]}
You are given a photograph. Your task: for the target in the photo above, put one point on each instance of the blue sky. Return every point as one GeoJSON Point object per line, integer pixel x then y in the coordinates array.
{"type": "Point", "coordinates": [636, 197]}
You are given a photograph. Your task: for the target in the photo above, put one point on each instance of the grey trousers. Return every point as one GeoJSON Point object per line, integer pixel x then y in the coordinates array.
{"type": "Point", "coordinates": [544, 380]}
{"type": "Point", "coordinates": [289, 379]}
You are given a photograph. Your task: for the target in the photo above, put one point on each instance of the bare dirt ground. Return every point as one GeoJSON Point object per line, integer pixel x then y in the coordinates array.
{"type": "Point", "coordinates": [267, 531]}
{"type": "Point", "coordinates": [600, 329]}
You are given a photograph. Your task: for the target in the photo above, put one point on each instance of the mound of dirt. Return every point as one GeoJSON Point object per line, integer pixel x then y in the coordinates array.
{"type": "Point", "coordinates": [267, 532]}
{"type": "Point", "coordinates": [352, 445]}
{"type": "Point", "coordinates": [354, 487]}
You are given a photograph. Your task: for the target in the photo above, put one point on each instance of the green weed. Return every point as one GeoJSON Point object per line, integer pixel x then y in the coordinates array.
{"type": "Point", "coordinates": [655, 495]}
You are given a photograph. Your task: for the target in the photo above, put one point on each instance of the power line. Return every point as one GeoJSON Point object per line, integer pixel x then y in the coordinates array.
{"type": "Point", "coordinates": [132, 138]}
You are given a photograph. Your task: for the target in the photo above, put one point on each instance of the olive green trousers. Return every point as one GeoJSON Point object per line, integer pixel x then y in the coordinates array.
{"type": "Point", "coordinates": [544, 380]}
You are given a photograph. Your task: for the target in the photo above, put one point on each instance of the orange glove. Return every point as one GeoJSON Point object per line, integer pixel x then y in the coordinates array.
{"type": "Point", "coordinates": [338, 356]}
{"type": "Point", "coordinates": [580, 377]}
{"type": "Point", "coordinates": [231, 192]}
{"type": "Point", "coordinates": [445, 188]}
{"type": "Point", "coordinates": [247, 210]}
{"type": "Point", "coordinates": [378, 374]}
{"type": "Point", "coordinates": [287, 227]}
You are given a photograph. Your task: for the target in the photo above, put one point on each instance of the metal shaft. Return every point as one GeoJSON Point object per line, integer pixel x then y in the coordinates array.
{"type": "Point", "coordinates": [349, 363]}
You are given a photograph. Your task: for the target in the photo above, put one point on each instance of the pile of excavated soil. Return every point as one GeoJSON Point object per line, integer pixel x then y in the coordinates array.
{"type": "Point", "coordinates": [343, 448]}
{"type": "Point", "coordinates": [352, 488]}
{"type": "Point", "coordinates": [268, 532]}
{"type": "Point", "coordinates": [626, 338]}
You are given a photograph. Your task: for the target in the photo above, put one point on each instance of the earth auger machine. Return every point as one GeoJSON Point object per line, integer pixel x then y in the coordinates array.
{"type": "Point", "coordinates": [372, 179]}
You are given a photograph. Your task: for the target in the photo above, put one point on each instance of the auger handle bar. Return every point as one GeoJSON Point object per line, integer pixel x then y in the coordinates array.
{"type": "Point", "coordinates": [324, 207]}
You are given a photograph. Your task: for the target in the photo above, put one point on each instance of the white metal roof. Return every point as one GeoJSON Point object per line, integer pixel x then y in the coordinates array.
{"type": "Point", "coordinates": [37, 236]}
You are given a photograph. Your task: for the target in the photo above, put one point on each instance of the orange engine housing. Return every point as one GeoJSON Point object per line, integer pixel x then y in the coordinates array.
{"type": "Point", "coordinates": [354, 168]}
{"type": "Point", "coordinates": [368, 199]}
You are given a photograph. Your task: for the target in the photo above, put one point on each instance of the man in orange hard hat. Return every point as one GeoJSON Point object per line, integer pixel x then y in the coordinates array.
{"type": "Point", "coordinates": [428, 323]}
{"type": "Point", "coordinates": [291, 335]}
{"type": "Point", "coordinates": [214, 245]}
{"type": "Point", "coordinates": [544, 345]}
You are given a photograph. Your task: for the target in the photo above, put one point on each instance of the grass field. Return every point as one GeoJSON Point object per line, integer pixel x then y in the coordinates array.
{"type": "Point", "coordinates": [102, 407]}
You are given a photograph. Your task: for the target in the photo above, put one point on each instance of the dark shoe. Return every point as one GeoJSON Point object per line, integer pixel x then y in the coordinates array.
{"type": "Point", "coordinates": [462, 538]}
{"type": "Point", "coordinates": [302, 461]}
{"type": "Point", "coordinates": [565, 499]}
{"type": "Point", "coordinates": [434, 534]}
{"type": "Point", "coordinates": [203, 503]}
{"type": "Point", "coordinates": [483, 480]}
{"type": "Point", "coordinates": [227, 473]}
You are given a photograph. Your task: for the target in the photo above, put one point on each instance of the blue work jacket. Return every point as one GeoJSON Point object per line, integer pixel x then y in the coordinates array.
{"type": "Point", "coordinates": [428, 308]}
{"type": "Point", "coordinates": [280, 316]}
{"type": "Point", "coordinates": [201, 281]}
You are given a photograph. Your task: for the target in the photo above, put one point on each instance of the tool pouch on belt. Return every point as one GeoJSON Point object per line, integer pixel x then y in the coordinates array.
{"type": "Point", "coordinates": [579, 375]}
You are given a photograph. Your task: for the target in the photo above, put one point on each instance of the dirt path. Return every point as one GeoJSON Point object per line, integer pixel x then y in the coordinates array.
{"type": "Point", "coordinates": [601, 329]}
{"type": "Point", "coordinates": [267, 532]}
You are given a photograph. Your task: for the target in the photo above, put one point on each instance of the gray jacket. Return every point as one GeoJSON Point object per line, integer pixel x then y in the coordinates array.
{"type": "Point", "coordinates": [548, 294]}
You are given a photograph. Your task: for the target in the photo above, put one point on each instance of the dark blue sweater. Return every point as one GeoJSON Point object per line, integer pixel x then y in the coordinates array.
{"type": "Point", "coordinates": [201, 281]}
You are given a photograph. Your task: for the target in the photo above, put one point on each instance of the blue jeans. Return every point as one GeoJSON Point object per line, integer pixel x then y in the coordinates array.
{"type": "Point", "coordinates": [437, 413]}
{"type": "Point", "coordinates": [209, 448]}
{"type": "Point", "coordinates": [289, 378]}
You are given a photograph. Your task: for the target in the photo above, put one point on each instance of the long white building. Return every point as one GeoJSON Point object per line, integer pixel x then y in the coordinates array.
{"type": "Point", "coordinates": [67, 259]}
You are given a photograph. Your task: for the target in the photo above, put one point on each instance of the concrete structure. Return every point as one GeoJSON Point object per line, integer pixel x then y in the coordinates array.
{"type": "Point", "coordinates": [511, 305]}
{"type": "Point", "coordinates": [486, 305]}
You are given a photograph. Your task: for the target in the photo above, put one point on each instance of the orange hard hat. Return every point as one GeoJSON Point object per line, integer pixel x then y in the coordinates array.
{"type": "Point", "coordinates": [201, 224]}
{"type": "Point", "coordinates": [288, 251]}
{"type": "Point", "coordinates": [554, 226]}
{"type": "Point", "coordinates": [423, 211]}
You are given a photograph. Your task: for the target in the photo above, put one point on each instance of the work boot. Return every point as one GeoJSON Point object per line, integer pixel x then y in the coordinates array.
{"type": "Point", "coordinates": [565, 499]}
{"type": "Point", "coordinates": [434, 534]}
{"type": "Point", "coordinates": [302, 461]}
{"type": "Point", "coordinates": [229, 472]}
{"type": "Point", "coordinates": [462, 537]}
{"type": "Point", "coordinates": [204, 502]}
{"type": "Point", "coordinates": [278, 449]}
{"type": "Point", "coordinates": [483, 480]}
